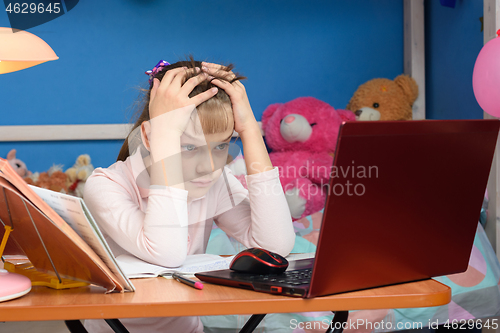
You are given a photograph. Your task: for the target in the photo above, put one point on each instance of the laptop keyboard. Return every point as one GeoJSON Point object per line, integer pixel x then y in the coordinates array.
{"type": "Point", "coordinates": [296, 277]}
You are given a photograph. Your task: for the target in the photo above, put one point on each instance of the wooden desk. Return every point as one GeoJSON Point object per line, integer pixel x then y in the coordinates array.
{"type": "Point", "coordinates": [161, 297]}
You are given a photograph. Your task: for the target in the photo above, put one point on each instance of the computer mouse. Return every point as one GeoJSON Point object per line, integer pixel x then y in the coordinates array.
{"type": "Point", "coordinates": [258, 261]}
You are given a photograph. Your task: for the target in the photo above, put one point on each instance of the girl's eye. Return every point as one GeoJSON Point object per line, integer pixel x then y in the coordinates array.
{"type": "Point", "coordinates": [188, 148]}
{"type": "Point", "coordinates": [222, 146]}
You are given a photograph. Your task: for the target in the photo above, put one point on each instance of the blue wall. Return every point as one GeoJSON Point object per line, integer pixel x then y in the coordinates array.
{"type": "Point", "coordinates": [453, 41]}
{"type": "Point", "coordinates": [287, 49]}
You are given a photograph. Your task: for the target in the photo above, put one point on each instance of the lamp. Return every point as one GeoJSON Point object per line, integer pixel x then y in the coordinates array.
{"type": "Point", "coordinates": [18, 50]}
{"type": "Point", "coordinates": [11, 285]}
{"type": "Point", "coordinates": [21, 49]}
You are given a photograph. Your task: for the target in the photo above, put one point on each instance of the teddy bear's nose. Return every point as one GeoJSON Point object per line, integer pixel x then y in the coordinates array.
{"type": "Point", "coordinates": [358, 112]}
{"type": "Point", "coordinates": [289, 119]}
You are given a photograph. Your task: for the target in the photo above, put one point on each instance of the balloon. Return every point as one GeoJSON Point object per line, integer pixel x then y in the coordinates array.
{"type": "Point", "coordinates": [486, 77]}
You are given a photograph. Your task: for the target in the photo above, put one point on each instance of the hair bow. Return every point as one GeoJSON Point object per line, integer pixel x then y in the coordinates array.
{"type": "Point", "coordinates": [159, 66]}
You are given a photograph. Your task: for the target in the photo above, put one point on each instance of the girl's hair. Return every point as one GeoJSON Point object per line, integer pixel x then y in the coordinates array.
{"type": "Point", "coordinates": [213, 116]}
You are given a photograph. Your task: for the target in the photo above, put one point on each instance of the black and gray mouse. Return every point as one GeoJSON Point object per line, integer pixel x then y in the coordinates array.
{"type": "Point", "coordinates": [258, 261]}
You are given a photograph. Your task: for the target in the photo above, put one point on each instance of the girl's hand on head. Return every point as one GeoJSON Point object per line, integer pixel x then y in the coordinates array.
{"type": "Point", "coordinates": [173, 91]}
{"type": "Point", "coordinates": [243, 114]}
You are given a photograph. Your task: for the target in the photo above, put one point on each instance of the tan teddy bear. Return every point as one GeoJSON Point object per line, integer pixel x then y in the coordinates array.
{"type": "Point", "coordinates": [384, 99]}
{"type": "Point", "coordinates": [78, 174]}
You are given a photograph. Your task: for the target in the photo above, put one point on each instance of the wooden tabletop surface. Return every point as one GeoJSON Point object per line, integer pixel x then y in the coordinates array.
{"type": "Point", "coordinates": [156, 297]}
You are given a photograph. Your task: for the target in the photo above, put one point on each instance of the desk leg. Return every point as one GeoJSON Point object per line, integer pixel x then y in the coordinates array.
{"type": "Point", "coordinates": [75, 326]}
{"type": "Point", "coordinates": [252, 323]}
{"type": "Point", "coordinates": [116, 325]}
{"type": "Point", "coordinates": [338, 322]}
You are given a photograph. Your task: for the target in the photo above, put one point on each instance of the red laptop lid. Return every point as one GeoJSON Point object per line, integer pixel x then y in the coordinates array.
{"type": "Point", "coordinates": [404, 202]}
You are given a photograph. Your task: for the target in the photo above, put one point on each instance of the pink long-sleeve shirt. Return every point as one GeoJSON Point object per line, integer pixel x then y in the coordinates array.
{"type": "Point", "coordinates": [160, 225]}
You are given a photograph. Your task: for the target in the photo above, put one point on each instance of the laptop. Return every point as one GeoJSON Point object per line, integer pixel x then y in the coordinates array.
{"type": "Point", "coordinates": [403, 204]}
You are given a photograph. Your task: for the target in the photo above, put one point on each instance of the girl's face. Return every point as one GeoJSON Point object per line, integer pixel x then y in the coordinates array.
{"type": "Point", "coordinates": [203, 157]}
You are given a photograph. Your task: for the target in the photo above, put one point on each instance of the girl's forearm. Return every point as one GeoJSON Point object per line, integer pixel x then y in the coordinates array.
{"type": "Point", "coordinates": [166, 167]}
{"type": "Point", "coordinates": [256, 156]}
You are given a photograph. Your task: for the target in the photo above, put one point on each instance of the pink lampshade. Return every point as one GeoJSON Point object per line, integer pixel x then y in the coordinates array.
{"type": "Point", "coordinates": [21, 50]}
{"type": "Point", "coordinates": [13, 285]}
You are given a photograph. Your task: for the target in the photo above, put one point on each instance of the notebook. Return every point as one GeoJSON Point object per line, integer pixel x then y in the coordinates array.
{"type": "Point", "coordinates": [135, 268]}
{"type": "Point", "coordinates": [403, 204]}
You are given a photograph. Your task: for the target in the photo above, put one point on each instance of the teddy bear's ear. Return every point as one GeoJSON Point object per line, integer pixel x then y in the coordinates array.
{"type": "Point", "coordinates": [11, 155]}
{"type": "Point", "coordinates": [409, 86]}
{"type": "Point", "coordinates": [268, 112]}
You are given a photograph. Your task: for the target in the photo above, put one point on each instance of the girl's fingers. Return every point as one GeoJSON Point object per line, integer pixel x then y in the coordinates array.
{"type": "Point", "coordinates": [224, 85]}
{"type": "Point", "coordinates": [220, 83]}
{"type": "Point", "coordinates": [217, 69]}
{"type": "Point", "coordinates": [169, 77]}
{"type": "Point", "coordinates": [239, 84]}
{"type": "Point", "coordinates": [204, 96]}
{"type": "Point", "coordinates": [193, 82]}
{"type": "Point", "coordinates": [180, 78]}
{"type": "Point", "coordinates": [210, 70]}
{"type": "Point", "coordinates": [212, 65]}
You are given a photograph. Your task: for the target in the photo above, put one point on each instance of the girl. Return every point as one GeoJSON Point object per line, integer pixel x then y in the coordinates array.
{"type": "Point", "coordinates": [158, 201]}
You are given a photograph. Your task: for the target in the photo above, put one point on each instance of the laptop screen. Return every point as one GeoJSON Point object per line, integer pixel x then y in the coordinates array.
{"type": "Point", "coordinates": [403, 202]}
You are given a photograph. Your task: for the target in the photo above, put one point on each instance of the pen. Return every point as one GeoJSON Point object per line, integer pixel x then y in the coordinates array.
{"type": "Point", "coordinates": [189, 282]}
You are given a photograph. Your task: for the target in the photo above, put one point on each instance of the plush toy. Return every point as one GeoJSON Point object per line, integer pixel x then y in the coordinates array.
{"type": "Point", "coordinates": [54, 179]}
{"type": "Point", "coordinates": [384, 99]}
{"type": "Point", "coordinates": [302, 134]}
{"type": "Point", "coordinates": [78, 175]}
{"type": "Point", "coordinates": [18, 165]}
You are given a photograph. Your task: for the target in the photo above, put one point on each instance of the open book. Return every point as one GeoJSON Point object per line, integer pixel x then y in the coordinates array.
{"type": "Point", "coordinates": [74, 211]}
{"type": "Point", "coordinates": [51, 243]}
{"type": "Point", "coordinates": [134, 267]}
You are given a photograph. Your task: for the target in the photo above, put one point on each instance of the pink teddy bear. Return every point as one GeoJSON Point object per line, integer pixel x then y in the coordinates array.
{"type": "Point", "coordinates": [303, 134]}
